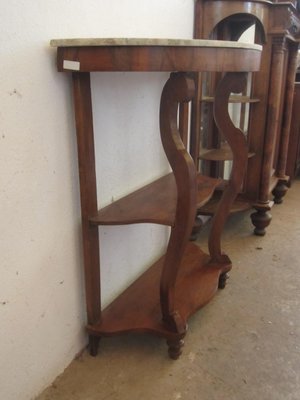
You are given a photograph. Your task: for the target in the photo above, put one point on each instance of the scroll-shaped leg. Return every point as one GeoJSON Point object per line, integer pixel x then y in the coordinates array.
{"type": "Point", "coordinates": [179, 88]}
{"type": "Point", "coordinates": [231, 83]}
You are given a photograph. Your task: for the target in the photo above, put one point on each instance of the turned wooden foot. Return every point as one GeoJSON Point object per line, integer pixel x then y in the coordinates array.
{"type": "Point", "coordinates": [175, 348]}
{"type": "Point", "coordinates": [93, 345]}
{"type": "Point", "coordinates": [223, 280]}
{"type": "Point", "coordinates": [261, 219]}
{"type": "Point", "coordinates": [279, 192]}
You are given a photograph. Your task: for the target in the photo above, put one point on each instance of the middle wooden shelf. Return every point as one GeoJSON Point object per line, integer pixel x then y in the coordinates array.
{"type": "Point", "coordinates": [223, 153]}
{"type": "Point", "coordinates": [153, 203]}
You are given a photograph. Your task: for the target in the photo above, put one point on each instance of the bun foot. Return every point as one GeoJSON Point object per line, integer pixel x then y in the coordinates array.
{"type": "Point", "coordinates": [223, 280]}
{"type": "Point", "coordinates": [175, 348]}
{"type": "Point", "coordinates": [261, 219]}
{"type": "Point", "coordinates": [279, 192]}
{"type": "Point", "coordinates": [93, 345]}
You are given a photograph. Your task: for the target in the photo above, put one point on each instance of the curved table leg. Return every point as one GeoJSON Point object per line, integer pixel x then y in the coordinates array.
{"type": "Point", "coordinates": [231, 83]}
{"type": "Point", "coordinates": [179, 88]}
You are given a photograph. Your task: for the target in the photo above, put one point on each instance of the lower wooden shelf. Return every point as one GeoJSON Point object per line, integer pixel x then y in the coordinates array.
{"type": "Point", "coordinates": [232, 99]}
{"type": "Point", "coordinates": [137, 309]}
{"type": "Point", "coordinates": [239, 204]}
{"type": "Point", "coordinates": [224, 153]}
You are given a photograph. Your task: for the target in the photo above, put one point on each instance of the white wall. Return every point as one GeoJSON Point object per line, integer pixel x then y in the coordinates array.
{"type": "Point", "coordinates": [42, 311]}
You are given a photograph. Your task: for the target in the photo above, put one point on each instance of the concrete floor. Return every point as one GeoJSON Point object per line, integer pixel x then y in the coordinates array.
{"type": "Point", "coordinates": [244, 345]}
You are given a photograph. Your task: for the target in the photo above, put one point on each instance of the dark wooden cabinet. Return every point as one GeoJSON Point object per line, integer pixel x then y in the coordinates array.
{"type": "Point", "coordinates": [265, 107]}
{"type": "Point", "coordinates": [293, 159]}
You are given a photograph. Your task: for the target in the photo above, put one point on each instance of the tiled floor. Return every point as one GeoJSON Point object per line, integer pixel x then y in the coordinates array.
{"type": "Point", "coordinates": [244, 345]}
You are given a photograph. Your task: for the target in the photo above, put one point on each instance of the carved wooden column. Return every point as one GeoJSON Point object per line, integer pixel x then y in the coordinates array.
{"type": "Point", "coordinates": [281, 187]}
{"type": "Point", "coordinates": [262, 218]}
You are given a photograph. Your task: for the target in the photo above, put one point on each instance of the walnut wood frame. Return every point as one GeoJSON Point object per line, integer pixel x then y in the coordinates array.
{"type": "Point", "coordinates": [185, 278]}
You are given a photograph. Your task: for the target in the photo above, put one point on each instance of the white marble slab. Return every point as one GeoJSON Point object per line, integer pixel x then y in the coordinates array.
{"type": "Point", "coordinates": [152, 42]}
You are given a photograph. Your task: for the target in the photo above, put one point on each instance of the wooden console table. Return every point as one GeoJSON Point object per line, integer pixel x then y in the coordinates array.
{"type": "Point", "coordinates": [185, 278]}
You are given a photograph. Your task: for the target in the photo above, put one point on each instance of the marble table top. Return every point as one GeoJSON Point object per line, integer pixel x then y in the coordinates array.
{"type": "Point", "coordinates": [152, 42]}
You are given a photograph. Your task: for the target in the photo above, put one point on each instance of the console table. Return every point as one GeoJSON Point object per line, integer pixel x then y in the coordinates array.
{"type": "Point", "coordinates": [185, 278]}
